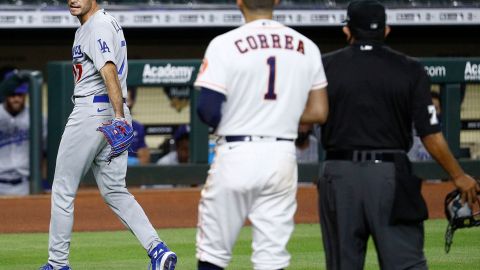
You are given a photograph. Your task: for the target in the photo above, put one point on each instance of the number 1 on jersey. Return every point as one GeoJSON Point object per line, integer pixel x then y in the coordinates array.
{"type": "Point", "coordinates": [270, 95]}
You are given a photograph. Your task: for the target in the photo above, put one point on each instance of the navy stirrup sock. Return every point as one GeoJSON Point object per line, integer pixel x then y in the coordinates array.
{"type": "Point", "coordinates": [207, 266]}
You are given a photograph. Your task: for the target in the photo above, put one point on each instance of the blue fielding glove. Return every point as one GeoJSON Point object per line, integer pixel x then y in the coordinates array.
{"type": "Point", "coordinates": [119, 135]}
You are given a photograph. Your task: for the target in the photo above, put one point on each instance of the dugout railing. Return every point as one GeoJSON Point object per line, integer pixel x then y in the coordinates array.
{"type": "Point", "coordinates": [449, 73]}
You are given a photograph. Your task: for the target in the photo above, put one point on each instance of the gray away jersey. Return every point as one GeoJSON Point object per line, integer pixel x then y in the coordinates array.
{"type": "Point", "coordinates": [14, 144]}
{"type": "Point", "coordinates": [98, 41]}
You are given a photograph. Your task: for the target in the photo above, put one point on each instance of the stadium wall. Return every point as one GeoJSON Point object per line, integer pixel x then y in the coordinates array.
{"type": "Point", "coordinates": [33, 48]}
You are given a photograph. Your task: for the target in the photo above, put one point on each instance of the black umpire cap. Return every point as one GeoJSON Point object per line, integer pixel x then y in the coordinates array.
{"type": "Point", "coordinates": [368, 15]}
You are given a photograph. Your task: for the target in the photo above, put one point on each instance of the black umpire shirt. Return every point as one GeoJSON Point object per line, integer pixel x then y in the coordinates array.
{"type": "Point", "coordinates": [375, 94]}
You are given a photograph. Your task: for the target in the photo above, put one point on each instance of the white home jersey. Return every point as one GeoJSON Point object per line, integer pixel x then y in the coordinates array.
{"type": "Point", "coordinates": [268, 97]}
{"type": "Point", "coordinates": [98, 41]}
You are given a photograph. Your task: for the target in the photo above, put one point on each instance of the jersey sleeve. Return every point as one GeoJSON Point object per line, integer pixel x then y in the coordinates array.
{"type": "Point", "coordinates": [102, 46]}
{"type": "Point", "coordinates": [319, 77]}
{"type": "Point", "coordinates": [213, 72]}
{"type": "Point", "coordinates": [425, 118]}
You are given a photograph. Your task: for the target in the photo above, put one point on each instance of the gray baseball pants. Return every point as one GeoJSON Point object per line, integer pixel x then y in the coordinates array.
{"type": "Point", "coordinates": [82, 148]}
{"type": "Point", "coordinates": [355, 200]}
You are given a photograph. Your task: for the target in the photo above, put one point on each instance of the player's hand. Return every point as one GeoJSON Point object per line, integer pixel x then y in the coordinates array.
{"type": "Point", "coordinates": [119, 134]}
{"type": "Point", "coordinates": [468, 187]}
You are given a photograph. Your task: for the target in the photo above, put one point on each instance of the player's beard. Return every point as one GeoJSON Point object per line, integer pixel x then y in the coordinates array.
{"type": "Point", "coordinates": [14, 105]}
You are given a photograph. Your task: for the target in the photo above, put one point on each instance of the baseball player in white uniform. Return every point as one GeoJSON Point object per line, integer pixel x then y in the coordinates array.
{"type": "Point", "coordinates": [100, 74]}
{"type": "Point", "coordinates": [14, 143]}
{"type": "Point", "coordinates": [257, 83]}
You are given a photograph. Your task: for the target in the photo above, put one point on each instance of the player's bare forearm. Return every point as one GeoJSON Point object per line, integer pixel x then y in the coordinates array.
{"type": "Point", "coordinates": [110, 77]}
{"type": "Point", "coordinates": [316, 109]}
{"type": "Point", "coordinates": [438, 148]}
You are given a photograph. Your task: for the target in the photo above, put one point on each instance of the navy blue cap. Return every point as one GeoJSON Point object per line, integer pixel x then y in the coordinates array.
{"type": "Point", "coordinates": [367, 15]}
{"type": "Point", "coordinates": [21, 89]}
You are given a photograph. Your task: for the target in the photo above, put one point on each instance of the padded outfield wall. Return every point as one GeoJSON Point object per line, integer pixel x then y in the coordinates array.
{"type": "Point", "coordinates": [166, 86]}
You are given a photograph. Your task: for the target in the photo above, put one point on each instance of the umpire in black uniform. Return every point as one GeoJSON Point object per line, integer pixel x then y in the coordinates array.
{"type": "Point", "coordinates": [367, 188]}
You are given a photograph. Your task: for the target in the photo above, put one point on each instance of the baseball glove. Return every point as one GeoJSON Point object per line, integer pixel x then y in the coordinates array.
{"type": "Point", "coordinates": [119, 135]}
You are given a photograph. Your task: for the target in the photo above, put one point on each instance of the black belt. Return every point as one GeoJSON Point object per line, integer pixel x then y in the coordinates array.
{"type": "Point", "coordinates": [362, 155]}
{"type": "Point", "coordinates": [254, 138]}
{"type": "Point", "coordinates": [12, 182]}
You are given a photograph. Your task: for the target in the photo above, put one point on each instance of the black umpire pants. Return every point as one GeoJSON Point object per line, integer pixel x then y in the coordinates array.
{"type": "Point", "coordinates": [355, 201]}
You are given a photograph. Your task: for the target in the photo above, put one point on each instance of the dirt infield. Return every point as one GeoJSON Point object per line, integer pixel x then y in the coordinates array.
{"type": "Point", "coordinates": [166, 208]}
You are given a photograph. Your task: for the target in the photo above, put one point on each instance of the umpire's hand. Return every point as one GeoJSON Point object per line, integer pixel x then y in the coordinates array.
{"type": "Point", "coordinates": [468, 187]}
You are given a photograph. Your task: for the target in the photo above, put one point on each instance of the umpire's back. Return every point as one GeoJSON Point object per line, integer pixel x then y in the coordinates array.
{"type": "Point", "coordinates": [367, 187]}
{"type": "Point", "coordinates": [378, 91]}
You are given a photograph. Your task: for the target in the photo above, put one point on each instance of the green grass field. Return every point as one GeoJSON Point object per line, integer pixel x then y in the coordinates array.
{"type": "Point", "coordinates": [120, 250]}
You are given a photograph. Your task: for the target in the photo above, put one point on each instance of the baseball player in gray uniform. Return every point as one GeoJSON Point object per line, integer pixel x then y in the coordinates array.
{"type": "Point", "coordinates": [14, 143]}
{"type": "Point", "coordinates": [100, 75]}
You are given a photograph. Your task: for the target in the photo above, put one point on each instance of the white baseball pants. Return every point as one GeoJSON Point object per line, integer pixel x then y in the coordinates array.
{"type": "Point", "coordinates": [254, 180]}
